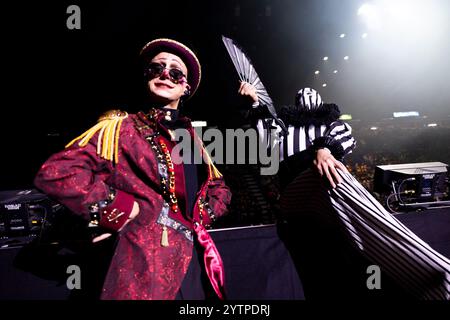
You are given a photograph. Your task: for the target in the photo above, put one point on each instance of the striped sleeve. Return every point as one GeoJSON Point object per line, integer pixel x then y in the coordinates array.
{"type": "Point", "coordinates": [338, 138]}
{"type": "Point", "coordinates": [270, 137]}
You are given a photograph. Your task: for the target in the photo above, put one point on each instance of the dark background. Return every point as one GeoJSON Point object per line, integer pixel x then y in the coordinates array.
{"type": "Point", "coordinates": [56, 81]}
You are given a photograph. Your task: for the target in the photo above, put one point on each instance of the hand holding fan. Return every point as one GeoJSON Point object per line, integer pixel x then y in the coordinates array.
{"type": "Point", "coordinates": [247, 73]}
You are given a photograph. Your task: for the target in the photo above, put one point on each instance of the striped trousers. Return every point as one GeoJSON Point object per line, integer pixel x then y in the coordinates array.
{"type": "Point", "coordinates": [418, 269]}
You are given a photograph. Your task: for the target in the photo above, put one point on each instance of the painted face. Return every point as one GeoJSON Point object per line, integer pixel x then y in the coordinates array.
{"type": "Point", "coordinates": [167, 78]}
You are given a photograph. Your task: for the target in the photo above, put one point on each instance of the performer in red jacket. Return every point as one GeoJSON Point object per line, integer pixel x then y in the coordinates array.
{"type": "Point", "coordinates": [121, 175]}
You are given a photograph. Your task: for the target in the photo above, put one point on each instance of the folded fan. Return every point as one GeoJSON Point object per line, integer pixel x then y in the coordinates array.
{"type": "Point", "coordinates": [247, 73]}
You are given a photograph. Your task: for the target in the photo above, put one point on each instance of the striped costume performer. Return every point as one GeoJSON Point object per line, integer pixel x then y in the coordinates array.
{"type": "Point", "coordinates": [376, 234]}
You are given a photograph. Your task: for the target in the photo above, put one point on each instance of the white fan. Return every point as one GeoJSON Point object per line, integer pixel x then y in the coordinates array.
{"type": "Point", "coordinates": [247, 73]}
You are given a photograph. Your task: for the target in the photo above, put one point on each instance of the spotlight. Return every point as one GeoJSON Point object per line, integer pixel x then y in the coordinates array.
{"type": "Point", "coordinates": [324, 85]}
{"type": "Point", "coordinates": [325, 58]}
{"type": "Point", "coordinates": [346, 58]}
{"type": "Point", "coordinates": [366, 10]}
{"type": "Point", "coordinates": [370, 15]}
{"type": "Point", "coordinates": [316, 72]}
{"type": "Point", "coordinates": [342, 35]}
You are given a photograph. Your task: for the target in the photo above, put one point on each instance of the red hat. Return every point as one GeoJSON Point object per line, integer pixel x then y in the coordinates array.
{"type": "Point", "coordinates": [156, 46]}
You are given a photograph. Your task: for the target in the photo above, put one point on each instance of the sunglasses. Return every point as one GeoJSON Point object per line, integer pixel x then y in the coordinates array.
{"type": "Point", "coordinates": [155, 70]}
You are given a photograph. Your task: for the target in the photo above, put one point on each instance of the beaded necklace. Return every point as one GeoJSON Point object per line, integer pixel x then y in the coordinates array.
{"type": "Point", "coordinates": [171, 171]}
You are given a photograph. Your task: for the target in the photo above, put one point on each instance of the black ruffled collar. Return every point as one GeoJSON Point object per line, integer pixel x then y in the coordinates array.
{"type": "Point", "coordinates": [295, 116]}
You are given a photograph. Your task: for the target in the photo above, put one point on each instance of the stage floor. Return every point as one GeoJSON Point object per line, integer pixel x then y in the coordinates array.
{"type": "Point", "coordinates": [258, 265]}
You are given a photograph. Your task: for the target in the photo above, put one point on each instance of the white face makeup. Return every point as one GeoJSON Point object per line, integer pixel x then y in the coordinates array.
{"type": "Point", "coordinates": [163, 87]}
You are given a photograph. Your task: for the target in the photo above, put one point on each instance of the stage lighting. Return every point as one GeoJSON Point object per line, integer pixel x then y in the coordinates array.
{"type": "Point", "coordinates": [370, 14]}
{"type": "Point", "coordinates": [366, 10]}
{"type": "Point", "coordinates": [346, 117]}
{"type": "Point", "coordinates": [403, 114]}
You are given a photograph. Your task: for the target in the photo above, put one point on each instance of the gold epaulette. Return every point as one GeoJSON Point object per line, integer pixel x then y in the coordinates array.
{"type": "Point", "coordinates": [108, 139]}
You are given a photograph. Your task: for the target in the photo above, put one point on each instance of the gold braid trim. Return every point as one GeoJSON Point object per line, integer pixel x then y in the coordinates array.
{"type": "Point", "coordinates": [214, 173]}
{"type": "Point", "coordinates": [108, 139]}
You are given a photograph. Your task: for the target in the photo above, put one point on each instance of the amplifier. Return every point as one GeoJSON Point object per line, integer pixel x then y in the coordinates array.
{"type": "Point", "coordinates": [24, 214]}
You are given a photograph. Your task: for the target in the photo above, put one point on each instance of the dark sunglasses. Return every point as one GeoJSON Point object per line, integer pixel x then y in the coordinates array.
{"type": "Point", "coordinates": [156, 69]}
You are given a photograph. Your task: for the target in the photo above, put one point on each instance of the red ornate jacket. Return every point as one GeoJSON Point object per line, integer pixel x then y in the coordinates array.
{"type": "Point", "coordinates": [124, 158]}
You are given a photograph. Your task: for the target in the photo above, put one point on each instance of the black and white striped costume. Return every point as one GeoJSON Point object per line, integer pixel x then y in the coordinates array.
{"type": "Point", "coordinates": [311, 124]}
{"type": "Point", "coordinates": [300, 138]}
{"type": "Point", "coordinates": [380, 237]}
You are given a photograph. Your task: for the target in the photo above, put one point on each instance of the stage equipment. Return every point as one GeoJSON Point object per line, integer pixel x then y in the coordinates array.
{"type": "Point", "coordinates": [413, 185]}
{"type": "Point", "coordinates": [24, 215]}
